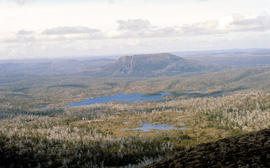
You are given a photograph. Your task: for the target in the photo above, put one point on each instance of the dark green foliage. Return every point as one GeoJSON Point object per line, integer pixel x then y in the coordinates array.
{"type": "Point", "coordinates": [25, 151]}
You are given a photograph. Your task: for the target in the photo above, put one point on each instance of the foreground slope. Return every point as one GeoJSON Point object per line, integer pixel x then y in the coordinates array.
{"type": "Point", "coordinates": [148, 65]}
{"type": "Point", "coordinates": [251, 150]}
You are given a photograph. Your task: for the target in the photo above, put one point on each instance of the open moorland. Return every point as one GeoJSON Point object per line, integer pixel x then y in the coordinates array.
{"type": "Point", "coordinates": [39, 128]}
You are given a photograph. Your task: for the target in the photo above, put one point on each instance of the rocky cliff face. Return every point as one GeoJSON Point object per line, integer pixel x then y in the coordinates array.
{"type": "Point", "coordinates": [251, 150]}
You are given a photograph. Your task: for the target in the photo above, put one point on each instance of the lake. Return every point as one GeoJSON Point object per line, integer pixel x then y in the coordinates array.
{"type": "Point", "coordinates": [121, 98]}
{"type": "Point", "coordinates": [118, 98]}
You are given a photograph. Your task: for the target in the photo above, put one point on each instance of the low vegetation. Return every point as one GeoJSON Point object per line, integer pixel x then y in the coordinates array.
{"type": "Point", "coordinates": [92, 136]}
{"type": "Point", "coordinates": [103, 135]}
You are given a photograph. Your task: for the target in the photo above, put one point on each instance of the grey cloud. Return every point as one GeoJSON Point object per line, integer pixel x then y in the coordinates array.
{"type": "Point", "coordinates": [169, 31]}
{"type": "Point", "coordinates": [25, 32]}
{"type": "Point", "coordinates": [23, 36]}
{"type": "Point", "coordinates": [259, 23]}
{"type": "Point", "coordinates": [70, 30]}
{"type": "Point", "coordinates": [140, 28]}
{"type": "Point", "coordinates": [143, 28]}
{"type": "Point", "coordinates": [55, 34]}
{"type": "Point", "coordinates": [133, 25]}
{"type": "Point", "coordinates": [19, 39]}
{"type": "Point", "coordinates": [209, 27]}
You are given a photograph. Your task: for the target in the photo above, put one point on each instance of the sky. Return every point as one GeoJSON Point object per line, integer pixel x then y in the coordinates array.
{"type": "Point", "coordinates": [77, 28]}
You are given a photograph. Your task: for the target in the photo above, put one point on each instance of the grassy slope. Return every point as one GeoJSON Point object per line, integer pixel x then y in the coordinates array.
{"type": "Point", "coordinates": [251, 150]}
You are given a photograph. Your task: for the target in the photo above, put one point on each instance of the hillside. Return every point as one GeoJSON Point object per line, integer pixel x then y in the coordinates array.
{"type": "Point", "coordinates": [148, 65]}
{"type": "Point", "coordinates": [251, 150]}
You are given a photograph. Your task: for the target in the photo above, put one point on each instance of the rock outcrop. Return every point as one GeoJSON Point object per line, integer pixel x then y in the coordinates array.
{"type": "Point", "coordinates": [149, 65]}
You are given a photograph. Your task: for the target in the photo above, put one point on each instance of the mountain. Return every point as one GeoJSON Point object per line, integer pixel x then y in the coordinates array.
{"type": "Point", "coordinates": [251, 150]}
{"type": "Point", "coordinates": [51, 67]}
{"type": "Point", "coordinates": [148, 65]}
{"type": "Point", "coordinates": [232, 58]}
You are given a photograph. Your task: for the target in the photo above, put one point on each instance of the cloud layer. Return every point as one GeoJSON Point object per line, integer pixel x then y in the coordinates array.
{"type": "Point", "coordinates": [259, 23]}
{"type": "Point", "coordinates": [70, 30]}
{"type": "Point", "coordinates": [141, 28]}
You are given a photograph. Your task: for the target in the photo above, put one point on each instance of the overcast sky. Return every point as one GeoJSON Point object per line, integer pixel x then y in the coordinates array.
{"type": "Point", "coordinates": [58, 28]}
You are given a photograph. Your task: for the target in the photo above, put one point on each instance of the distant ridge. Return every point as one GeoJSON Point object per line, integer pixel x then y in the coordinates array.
{"type": "Point", "coordinates": [147, 65]}
{"type": "Point", "coordinates": [231, 58]}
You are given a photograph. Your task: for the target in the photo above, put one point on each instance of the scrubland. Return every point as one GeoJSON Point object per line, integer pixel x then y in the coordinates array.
{"type": "Point", "coordinates": [103, 135]}
{"type": "Point", "coordinates": [92, 135]}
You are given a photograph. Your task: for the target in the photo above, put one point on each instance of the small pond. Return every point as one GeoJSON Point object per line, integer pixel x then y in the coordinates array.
{"type": "Point", "coordinates": [201, 90]}
{"type": "Point", "coordinates": [40, 108]}
{"type": "Point", "coordinates": [146, 127]}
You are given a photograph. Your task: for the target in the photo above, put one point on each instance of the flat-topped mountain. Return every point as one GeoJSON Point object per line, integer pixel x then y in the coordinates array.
{"type": "Point", "coordinates": [147, 65]}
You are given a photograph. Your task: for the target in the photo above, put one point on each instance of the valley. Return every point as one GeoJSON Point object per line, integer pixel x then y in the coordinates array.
{"type": "Point", "coordinates": [127, 121]}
